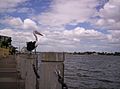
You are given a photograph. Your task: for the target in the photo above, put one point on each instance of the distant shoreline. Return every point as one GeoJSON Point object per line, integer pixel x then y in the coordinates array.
{"type": "Point", "coordinates": [96, 53]}
{"type": "Point", "coordinates": [80, 53]}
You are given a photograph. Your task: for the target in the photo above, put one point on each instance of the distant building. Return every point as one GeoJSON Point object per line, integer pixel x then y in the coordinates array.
{"type": "Point", "coordinates": [5, 41]}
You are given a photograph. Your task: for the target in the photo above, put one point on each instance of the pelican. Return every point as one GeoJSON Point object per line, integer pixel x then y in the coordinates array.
{"type": "Point", "coordinates": [32, 44]}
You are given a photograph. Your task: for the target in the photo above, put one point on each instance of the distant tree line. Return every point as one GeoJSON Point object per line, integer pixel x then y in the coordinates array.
{"type": "Point", "coordinates": [6, 43]}
{"type": "Point", "coordinates": [97, 53]}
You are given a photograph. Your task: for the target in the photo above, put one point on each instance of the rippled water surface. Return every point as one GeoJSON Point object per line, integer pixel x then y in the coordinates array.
{"type": "Point", "coordinates": [92, 72]}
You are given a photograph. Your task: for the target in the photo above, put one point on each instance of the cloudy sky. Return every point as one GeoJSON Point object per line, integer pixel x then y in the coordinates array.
{"type": "Point", "coordinates": [67, 25]}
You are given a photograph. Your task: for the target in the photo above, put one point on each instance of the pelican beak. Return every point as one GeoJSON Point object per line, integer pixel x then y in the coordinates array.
{"type": "Point", "coordinates": [38, 33]}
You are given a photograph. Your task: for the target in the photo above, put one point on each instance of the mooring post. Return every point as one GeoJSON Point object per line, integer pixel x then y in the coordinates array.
{"type": "Point", "coordinates": [51, 64]}
{"type": "Point", "coordinates": [49, 74]}
{"type": "Point", "coordinates": [25, 62]}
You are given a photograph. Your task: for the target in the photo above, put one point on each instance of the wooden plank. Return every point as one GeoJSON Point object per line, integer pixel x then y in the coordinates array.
{"type": "Point", "coordinates": [8, 70]}
{"type": "Point", "coordinates": [8, 74]}
{"type": "Point", "coordinates": [7, 66]}
{"type": "Point", "coordinates": [8, 85]}
{"type": "Point", "coordinates": [25, 62]}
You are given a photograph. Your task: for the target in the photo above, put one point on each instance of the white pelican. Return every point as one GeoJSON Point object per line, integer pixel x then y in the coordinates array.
{"type": "Point", "coordinates": [32, 44]}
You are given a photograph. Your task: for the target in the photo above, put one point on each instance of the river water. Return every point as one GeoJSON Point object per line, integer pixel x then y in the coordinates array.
{"type": "Point", "coordinates": [92, 71]}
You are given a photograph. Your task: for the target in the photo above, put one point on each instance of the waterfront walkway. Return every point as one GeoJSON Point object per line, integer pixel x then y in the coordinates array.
{"type": "Point", "coordinates": [9, 76]}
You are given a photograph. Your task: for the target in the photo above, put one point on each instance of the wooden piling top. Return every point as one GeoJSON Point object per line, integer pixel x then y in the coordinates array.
{"type": "Point", "coordinates": [52, 57]}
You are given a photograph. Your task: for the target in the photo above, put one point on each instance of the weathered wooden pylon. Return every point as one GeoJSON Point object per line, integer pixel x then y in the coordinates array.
{"type": "Point", "coordinates": [50, 66]}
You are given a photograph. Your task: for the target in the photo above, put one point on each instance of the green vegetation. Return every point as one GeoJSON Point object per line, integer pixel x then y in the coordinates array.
{"type": "Point", "coordinates": [5, 42]}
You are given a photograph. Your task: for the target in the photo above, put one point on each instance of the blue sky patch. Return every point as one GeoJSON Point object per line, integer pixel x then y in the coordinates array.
{"type": "Point", "coordinates": [38, 5]}
{"type": "Point", "coordinates": [101, 4]}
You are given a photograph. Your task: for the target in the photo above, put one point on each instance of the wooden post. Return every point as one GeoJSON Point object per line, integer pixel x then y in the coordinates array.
{"type": "Point", "coordinates": [50, 63]}
{"type": "Point", "coordinates": [25, 67]}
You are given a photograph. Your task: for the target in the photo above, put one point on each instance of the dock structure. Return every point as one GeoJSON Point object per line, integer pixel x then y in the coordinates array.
{"type": "Point", "coordinates": [40, 71]}
{"type": "Point", "coordinates": [9, 76]}
{"type": "Point", "coordinates": [31, 70]}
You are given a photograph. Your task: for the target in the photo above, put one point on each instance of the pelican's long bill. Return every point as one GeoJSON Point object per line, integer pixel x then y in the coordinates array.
{"type": "Point", "coordinates": [38, 33]}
